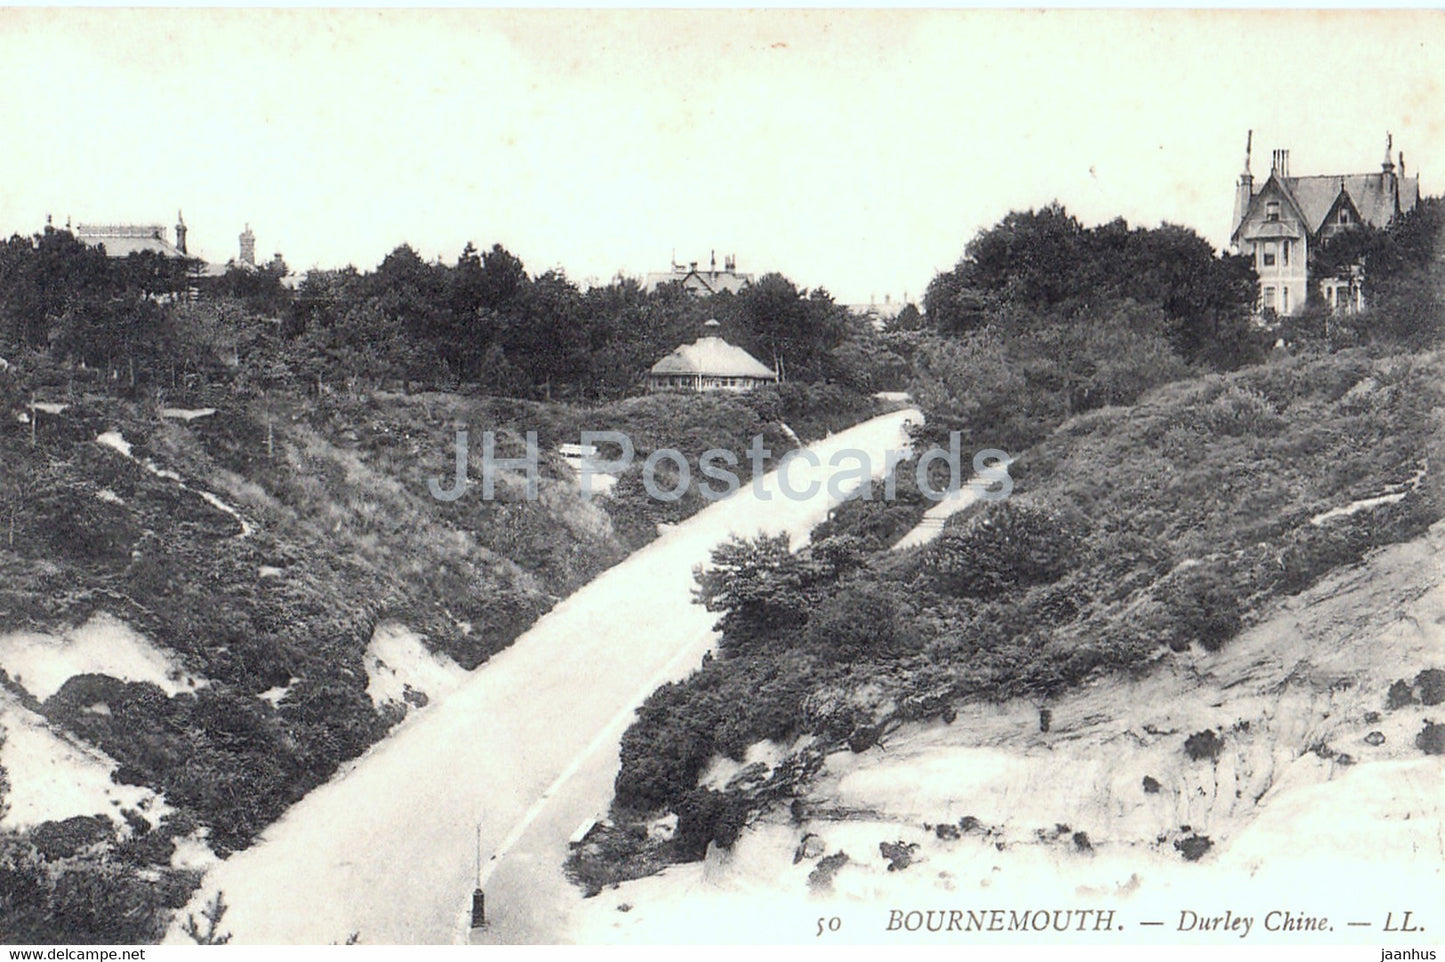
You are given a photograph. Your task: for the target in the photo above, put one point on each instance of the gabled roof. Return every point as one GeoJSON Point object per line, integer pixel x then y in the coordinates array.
{"type": "Point", "coordinates": [1370, 194]}
{"type": "Point", "coordinates": [1313, 198]}
{"type": "Point", "coordinates": [703, 281]}
{"type": "Point", "coordinates": [710, 355]}
{"type": "Point", "coordinates": [1274, 185]}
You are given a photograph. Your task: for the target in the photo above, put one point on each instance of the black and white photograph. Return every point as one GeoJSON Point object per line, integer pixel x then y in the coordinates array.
{"type": "Point", "coordinates": [639, 477]}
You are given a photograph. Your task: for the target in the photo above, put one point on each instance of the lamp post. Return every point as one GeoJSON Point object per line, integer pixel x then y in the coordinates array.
{"type": "Point", "coordinates": [479, 898]}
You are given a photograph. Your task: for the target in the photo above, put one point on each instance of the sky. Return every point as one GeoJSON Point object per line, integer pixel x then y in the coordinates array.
{"type": "Point", "coordinates": [853, 150]}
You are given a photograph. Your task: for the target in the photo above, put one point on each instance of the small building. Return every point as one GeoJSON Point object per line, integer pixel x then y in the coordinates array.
{"type": "Point", "coordinates": [709, 364]}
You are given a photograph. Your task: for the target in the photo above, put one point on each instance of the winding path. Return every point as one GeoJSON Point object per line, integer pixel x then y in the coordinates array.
{"type": "Point", "coordinates": [386, 849]}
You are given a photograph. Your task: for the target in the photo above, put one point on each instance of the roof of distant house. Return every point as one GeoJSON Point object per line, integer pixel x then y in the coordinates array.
{"type": "Point", "coordinates": [1374, 202]}
{"type": "Point", "coordinates": [711, 355]}
{"type": "Point", "coordinates": [699, 280]}
{"type": "Point", "coordinates": [121, 240]}
{"type": "Point", "coordinates": [1316, 196]}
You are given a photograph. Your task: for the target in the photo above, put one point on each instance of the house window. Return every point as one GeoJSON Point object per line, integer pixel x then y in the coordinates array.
{"type": "Point", "coordinates": [1269, 298]}
{"type": "Point", "coordinates": [1284, 300]}
{"type": "Point", "coordinates": [1285, 248]}
{"type": "Point", "coordinates": [1269, 255]}
{"type": "Point", "coordinates": [1271, 210]}
{"type": "Point", "coordinates": [1344, 215]}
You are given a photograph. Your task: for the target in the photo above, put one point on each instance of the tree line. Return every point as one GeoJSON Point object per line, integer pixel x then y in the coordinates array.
{"type": "Point", "coordinates": [480, 320]}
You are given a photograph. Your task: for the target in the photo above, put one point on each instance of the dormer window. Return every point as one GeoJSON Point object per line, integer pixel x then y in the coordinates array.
{"type": "Point", "coordinates": [1344, 215]}
{"type": "Point", "coordinates": [1271, 210]}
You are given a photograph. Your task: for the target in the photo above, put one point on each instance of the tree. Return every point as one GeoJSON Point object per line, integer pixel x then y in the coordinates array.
{"type": "Point", "coordinates": [747, 581]}
{"type": "Point", "coordinates": [908, 319]}
{"type": "Point", "coordinates": [790, 328]}
{"type": "Point", "coordinates": [44, 278]}
{"type": "Point", "coordinates": [1043, 267]}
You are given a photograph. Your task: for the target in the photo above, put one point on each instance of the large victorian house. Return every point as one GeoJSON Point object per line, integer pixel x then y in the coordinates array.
{"type": "Point", "coordinates": [1284, 222]}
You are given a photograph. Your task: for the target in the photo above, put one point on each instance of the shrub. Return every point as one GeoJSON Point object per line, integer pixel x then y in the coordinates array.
{"type": "Point", "coordinates": [1239, 411]}
{"type": "Point", "coordinates": [1431, 739]}
{"type": "Point", "coordinates": [58, 840]}
{"type": "Point", "coordinates": [1203, 605]}
{"type": "Point", "coordinates": [1431, 683]}
{"type": "Point", "coordinates": [821, 878]}
{"type": "Point", "coordinates": [1399, 695]}
{"type": "Point", "coordinates": [1194, 847]}
{"type": "Point", "coordinates": [1007, 545]}
{"type": "Point", "coordinates": [705, 816]}
{"type": "Point", "coordinates": [1202, 745]}
{"type": "Point", "coordinates": [856, 622]}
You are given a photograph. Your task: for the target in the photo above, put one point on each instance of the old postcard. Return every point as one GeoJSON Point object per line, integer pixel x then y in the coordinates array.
{"type": "Point", "coordinates": [811, 477]}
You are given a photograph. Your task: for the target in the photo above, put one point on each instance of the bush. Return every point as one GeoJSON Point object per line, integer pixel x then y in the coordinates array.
{"type": "Point", "coordinates": [666, 748]}
{"type": "Point", "coordinates": [58, 840]}
{"type": "Point", "coordinates": [1202, 745]}
{"type": "Point", "coordinates": [1431, 683]}
{"type": "Point", "coordinates": [1203, 605]}
{"type": "Point", "coordinates": [705, 816]}
{"type": "Point", "coordinates": [1431, 739]}
{"type": "Point", "coordinates": [1007, 545]}
{"type": "Point", "coordinates": [858, 621]}
{"type": "Point", "coordinates": [1194, 847]}
{"type": "Point", "coordinates": [1399, 695]}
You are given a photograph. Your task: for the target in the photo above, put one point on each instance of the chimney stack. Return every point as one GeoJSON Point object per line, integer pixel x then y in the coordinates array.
{"type": "Point", "coordinates": [180, 233]}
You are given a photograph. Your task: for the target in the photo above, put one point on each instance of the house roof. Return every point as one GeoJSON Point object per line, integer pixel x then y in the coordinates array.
{"type": "Point", "coordinates": [1314, 198]}
{"type": "Point", "coordinates": [703, 281]}
{"type": "Point", "coordinates": [122, 240]}
{"type": "Point", "coordinates": [711, 355]}
{"type": "Point", "coordinates": [1409, 193]}
{"type": "Point", "coordinates": [1374, 202]}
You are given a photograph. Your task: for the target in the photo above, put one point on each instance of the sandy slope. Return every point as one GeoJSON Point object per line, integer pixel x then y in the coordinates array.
{"type": "Point", "coordinates": [386, 849]}
{"type": "Point", "coordinates": [1292, 828]}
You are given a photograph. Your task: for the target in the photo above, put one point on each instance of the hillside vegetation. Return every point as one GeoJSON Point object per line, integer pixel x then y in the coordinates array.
{"type": "Point", "coordinates": [238, 472]}
{"type": "Point", "coordinates": [259, 547]}
{"type": "Point", "coordinates": [1157, 507]}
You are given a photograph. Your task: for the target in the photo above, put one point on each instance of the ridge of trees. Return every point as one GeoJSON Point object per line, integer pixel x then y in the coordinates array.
{"type": "Point", "coordinates": [481, 320]}
{"type": "Point", "coordinates": [1043, 266]}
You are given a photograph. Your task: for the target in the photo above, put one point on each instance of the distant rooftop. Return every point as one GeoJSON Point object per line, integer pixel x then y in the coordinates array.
{"type": "Point", "coordinates": [701, 281]}
{"type": "Point", "coordinates": [121, 240]}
